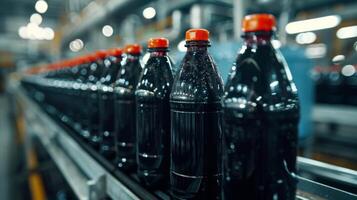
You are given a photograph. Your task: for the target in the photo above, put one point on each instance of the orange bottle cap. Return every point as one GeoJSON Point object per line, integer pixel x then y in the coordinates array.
{"type": "Point", "coordinates": [158, 43]}
{"type": "Point", "coordinates": [197, 34]}
{"type": "Point", "coordinates": [115, 52]}
{"type": "Point", "coordinates": [258, 22]}
{"type": "Point", "coordinates": [132, 49]}
{"type": "Point", "coordinates": [91, 57]}
{"type": "Point", "coordinates": [101, 54]}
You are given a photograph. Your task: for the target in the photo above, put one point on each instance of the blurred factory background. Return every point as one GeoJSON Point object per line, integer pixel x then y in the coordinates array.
{"type": "Point", "coordinates": [317, 37]}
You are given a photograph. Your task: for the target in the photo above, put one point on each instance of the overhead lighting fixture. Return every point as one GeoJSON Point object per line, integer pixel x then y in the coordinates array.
{"type": "Point", "coordinates": [338, 58]}
{"type": "Point", "coordinates": [107, 30]}
{"type": "Point", "coordinates": [36, 18]}
{"type": "Point", "coordinates": [313, 24]}
{"type": "Point", "coordinates": [48, 33]}
{"type": "Point", "coordinates": [348, 70]}
{"type": "Point", "coordinates": [23, 32]}
{"type": "Point", "coordinates": [76, 45]}
{"type": "Point", "coordinates": [34, 32]}
{"type": "Point", "coordinates": [41, 6]}
{"type": "Point", "coordinates": [181, 46]}
{"type": "Point", "coordinates": [347, 32]}
{"type": "Point", "coordinates": [305, 38]}
{"type": "Point", "coordinates": [149, 12]}
{"type": "Point", "coordinates": [264, 1]}
{"type": "Point", "coordinates": [316, 50]}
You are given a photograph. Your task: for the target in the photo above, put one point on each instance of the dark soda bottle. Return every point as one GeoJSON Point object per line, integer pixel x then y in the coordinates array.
{"type": "Point", "coordinates": [86, 70]}
{"type": "Point", "coordinates": [124, 107]}
{"type": "Point", "coordinates": [196, 117]}
{"type": "Point", "coordinates": [153, 115]}
{"type": "Point", "coordinates": [96, 70]}
{"type": "Point", "coordinates": [106, 103]}
{"type": "Point", "coordinates": [80, 73]}
{"type": "Point", "coordinates": [261, 114]}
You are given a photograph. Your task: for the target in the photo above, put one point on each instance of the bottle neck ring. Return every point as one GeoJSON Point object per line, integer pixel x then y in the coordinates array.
{"type": "Point", "coordinates": [260, 37]}
{"type": "Point", "coordinates": [197, 45]}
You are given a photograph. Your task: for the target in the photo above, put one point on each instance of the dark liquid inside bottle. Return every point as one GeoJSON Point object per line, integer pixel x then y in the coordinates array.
{"type": "Point", "coordinates": [196, 132]}
{"type": "Point", "coordinates": [124, 94]}
{"type": "Point", "coordinates": [82, 111]}
{"type": "Point", "coordinates": [106, 107]}
{"type": "Point", "coordinates": [153, 119]}
{"type": "Point", "coordinates": [260, 122]}
{"type": "Point", "coordinates": [95, 72]}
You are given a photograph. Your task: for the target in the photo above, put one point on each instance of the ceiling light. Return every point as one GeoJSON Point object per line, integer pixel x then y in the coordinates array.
{"type": "Point", "coordinates": [149, 12]}
{"type": "Point", "coordinates": [48, 33]}
{"type": "Point", "coordinates": [347, 32]}
{"type": "Point", "coordinates": [313, 24]}
{"type": "Point", "coordinates": [36, 18]}
{"type": "Point", "coordinates": [305, 38]}
{"type": "Point", "coordinates": [33, 31]}
{"type": "Point", "coordinates": [76, 45]}
{"type": "Point", "coordinates": [338, 58]}
{"type": "Point", "coordinates": [41, 6]}
{"type": "Point", "coordinates": [23, 32]}
{"type": "Point", "coordinates": [107, 30]}
{"type": "Point", "coordinates": [348, 70]}
{"type": "Point", "coordinates": [316, 50]}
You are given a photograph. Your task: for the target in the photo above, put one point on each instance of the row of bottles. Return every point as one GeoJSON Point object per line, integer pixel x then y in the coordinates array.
{"type": "Point", "coordinates": [207, 139]}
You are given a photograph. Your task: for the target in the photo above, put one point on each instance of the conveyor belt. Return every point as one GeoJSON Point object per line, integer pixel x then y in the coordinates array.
{"type": "Point", "coordinates": [92, 177]}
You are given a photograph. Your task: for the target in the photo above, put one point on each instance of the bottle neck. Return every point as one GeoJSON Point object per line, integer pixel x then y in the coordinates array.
{"type": "Point", "coordinates": [133, 56]}
{"type": "Point", "coordinates": [197, 46]}
{"type": "Point", "coordinates": [116, 59]}
{"type": "Point", "coordinates": [261, 37]}
{"type": "Point", "coordinates": [158, 52]}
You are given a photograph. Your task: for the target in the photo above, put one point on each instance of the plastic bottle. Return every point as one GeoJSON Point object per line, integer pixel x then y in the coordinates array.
{"type": "Point", "coordinates": [261, 114]}
{"type": "Point", "coordinates": [97, 69]}
{"type": "Point", "coordinates": [87, 90]}
{"type": "Point", "coordinates": [124, 94]}
{"type": "Point", "coordinates": [106, 103]}
{"type": "Point", "coordinates": [196, 117]}
{"type": "Point", "coordinates": [153, 115]}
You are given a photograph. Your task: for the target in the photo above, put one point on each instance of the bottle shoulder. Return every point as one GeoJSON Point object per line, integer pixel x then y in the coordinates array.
{"type": "Point", "coordinates": [260, 72]}
{"type": "Point", "coordinates": [261, 78]}
{"type": "Point", "coordinates": [128, 75]}
{"type": "Point", "coordinates": [156, 79]}
{"type": "Point", "coordinates": [198, 79]}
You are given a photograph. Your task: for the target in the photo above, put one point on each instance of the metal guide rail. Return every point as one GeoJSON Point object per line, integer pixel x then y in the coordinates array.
{"type": "Point", "coordinates": [92, 177]}
{"type": "Point", "coordinates": [339, 114]}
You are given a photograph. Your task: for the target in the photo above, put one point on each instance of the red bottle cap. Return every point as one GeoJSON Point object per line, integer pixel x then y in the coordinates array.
{"type": "Point", "coordinates": [91, 57]}
{"type": "Point", "coordinates": [158, 43]}
{"type": "Point", "coordinates": [77, 61]}
{"type": "Point", "coordinates": [258, 22]}
{"type": "Point", "coordinates": [115, 52]}
{"type": "Point", "coordinates": [81, 60]}
{"type": "Point", "coordinates": [132, 49]}
{"type": "Point", "coordinates": [64, 64]}
{"type": "Point", "coordinates": [101, 54]}
{"type": "Point", "coordinates": [197, 34]}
